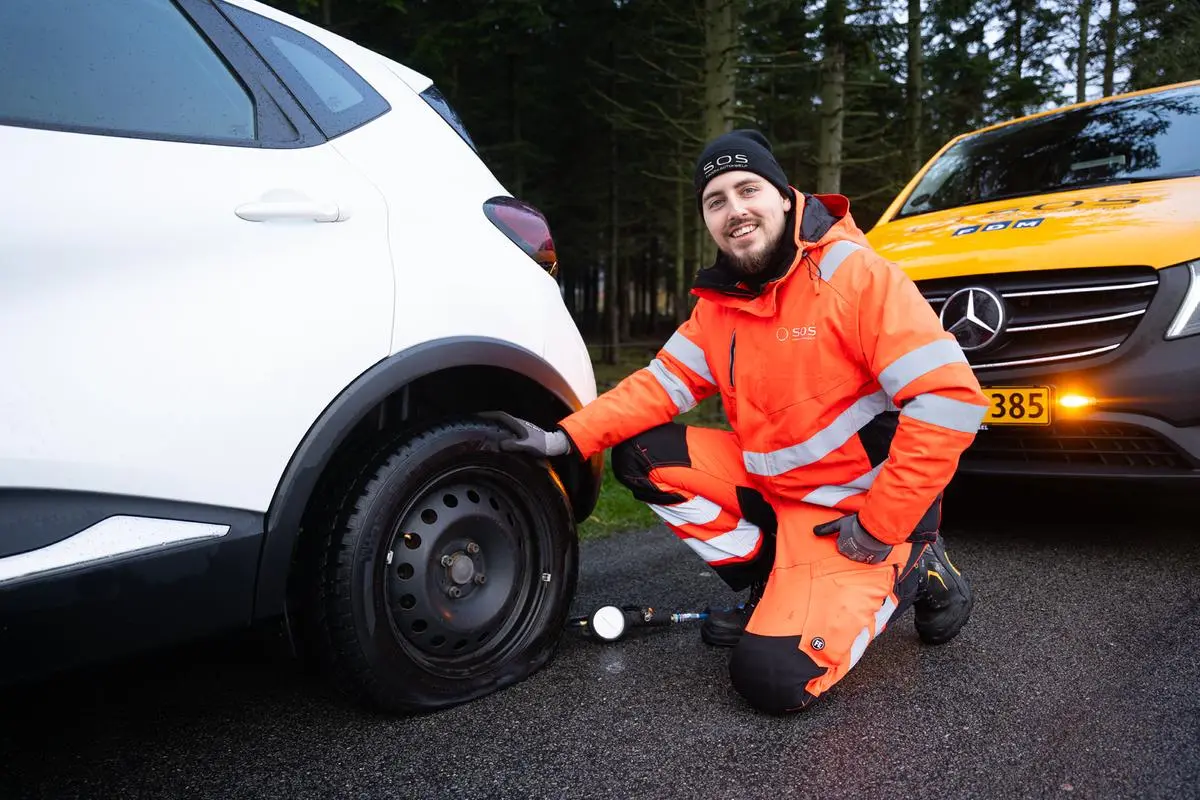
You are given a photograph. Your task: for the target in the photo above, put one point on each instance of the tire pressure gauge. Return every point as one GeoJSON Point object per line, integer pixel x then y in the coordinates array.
{"type": "Point", "coordinates": [611, 623]}
{"type": "Point", "coordinates": [608, 623]}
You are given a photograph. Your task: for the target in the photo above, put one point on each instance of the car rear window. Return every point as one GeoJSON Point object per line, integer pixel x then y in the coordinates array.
{"type": "Point", "coordinates": [334, 95]}
{"type": "Point", "coordinates": [1150, 137]}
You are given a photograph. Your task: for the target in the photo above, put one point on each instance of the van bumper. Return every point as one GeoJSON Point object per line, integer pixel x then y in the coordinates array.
{"type": "Point", "coordinates": [1145, 423]}
{"type": "Point", "coordinates": [1100, 445]}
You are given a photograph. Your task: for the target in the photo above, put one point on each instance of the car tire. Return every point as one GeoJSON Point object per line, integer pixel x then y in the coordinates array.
{"type": "Point", "coordinates": [447, 572]}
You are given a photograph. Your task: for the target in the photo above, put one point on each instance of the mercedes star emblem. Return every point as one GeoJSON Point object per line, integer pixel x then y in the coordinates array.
{"type": "Point", "coordinates": [975, 316]}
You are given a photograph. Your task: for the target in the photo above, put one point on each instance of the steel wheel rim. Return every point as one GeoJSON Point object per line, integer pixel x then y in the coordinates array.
{"type": "Point", "coordinates": [464, 570]}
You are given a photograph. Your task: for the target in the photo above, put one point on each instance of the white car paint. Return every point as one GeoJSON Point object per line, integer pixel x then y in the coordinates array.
{"type": "Point", "coordinates": [495, 293]}
{"type": "Point", "coordinates": [155, 342]}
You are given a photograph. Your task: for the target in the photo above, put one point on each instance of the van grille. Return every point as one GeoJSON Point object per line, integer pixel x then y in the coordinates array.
{"type": "Point", "coordinates": [1095, 444]}
{"type": "Point", "coordinates": [1056, 315]}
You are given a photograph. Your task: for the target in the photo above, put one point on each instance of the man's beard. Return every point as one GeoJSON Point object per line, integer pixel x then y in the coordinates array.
{"type": "Point", "coordinates": [756, 263]}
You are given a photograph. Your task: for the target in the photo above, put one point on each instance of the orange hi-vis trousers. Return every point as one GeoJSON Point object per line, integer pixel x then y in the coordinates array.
{"type": "Point", "coordinates": [819, 610]}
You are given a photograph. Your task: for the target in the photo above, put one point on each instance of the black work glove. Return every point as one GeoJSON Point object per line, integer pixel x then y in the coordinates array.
{"type": "Point", "coordinates": [854, 541]}
{"type": "Point", "coordinates": [529, 438]}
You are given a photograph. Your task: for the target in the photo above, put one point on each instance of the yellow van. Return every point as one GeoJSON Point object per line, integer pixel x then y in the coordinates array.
{"type": "Point", "coordinates": [1062, 249]}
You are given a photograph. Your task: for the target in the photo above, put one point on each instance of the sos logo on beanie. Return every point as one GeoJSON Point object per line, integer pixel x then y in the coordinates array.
{"type": "Point", "coordinates": [746, 150]}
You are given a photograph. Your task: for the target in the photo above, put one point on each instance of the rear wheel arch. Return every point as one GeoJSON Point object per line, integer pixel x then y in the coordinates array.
{"type": "Point", "coordinates": [463, 375]}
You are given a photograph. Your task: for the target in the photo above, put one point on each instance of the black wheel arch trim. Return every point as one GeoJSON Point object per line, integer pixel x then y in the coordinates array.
{"type": "Point", "coordinates": [339, 418]}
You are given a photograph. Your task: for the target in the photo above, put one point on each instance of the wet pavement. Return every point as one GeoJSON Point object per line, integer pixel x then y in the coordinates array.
{"type": "Point", "coordinates": [1078, 676]}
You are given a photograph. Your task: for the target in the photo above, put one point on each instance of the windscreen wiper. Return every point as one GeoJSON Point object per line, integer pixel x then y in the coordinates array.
{"type": "Point", "coordinates": [1117, 179]}
{"type": "Point", "coordinates": [1067, 187]}
{"type": "Point", "coordinates": [1070, 187]}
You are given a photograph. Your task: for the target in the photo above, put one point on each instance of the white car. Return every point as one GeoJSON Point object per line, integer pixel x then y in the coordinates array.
{"type": "Point", "coordinates": [255, 286]}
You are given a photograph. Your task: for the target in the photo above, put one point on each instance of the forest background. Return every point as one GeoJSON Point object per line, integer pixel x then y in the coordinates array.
{"type": "Point", "coordinates": [595, 111]}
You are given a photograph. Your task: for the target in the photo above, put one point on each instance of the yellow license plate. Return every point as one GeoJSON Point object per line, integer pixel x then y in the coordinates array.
{"type": "Point", "coordinates": [1017, 405]}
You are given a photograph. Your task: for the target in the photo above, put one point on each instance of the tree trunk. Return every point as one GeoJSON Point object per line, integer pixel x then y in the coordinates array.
{"type": "Point", "coordinates": [591, 294]}
{"type": "Point", "coordinates": [702, 245]}
{"type": "Point", "coordinates": [569, 281]}
{"type": "Point", "coordinates": [720, 78]}
{"type": "Point", "coordinates": [327, 14]}
{"type": "Point", "coordinates": [833, 96]}
{"type": "Point", "coordinates": [1081, 57]}
{"type": "Point", "coordinates": [916, 87]}
{"type": "Point", "coordinates": [681, 277]}
{"type": "Point", "coordinates": [720, 52]}
{"type": "Point", "coordinates": [627, 308]}
{"type": "Point", "coordinates": [1018, 39]}
{"type": "Point", "coordinates": [652, 285]}
{"type": "Point", "coordinates": [1018, 42]}
{"type": "Point", "coordinates": [1110, 45]}
{"type": "Point", "coordinates": [518, 168]}
{"type": "Point", "coordinates": [613, 288]}
{"type": "Point", "coordinates": [612, 284]}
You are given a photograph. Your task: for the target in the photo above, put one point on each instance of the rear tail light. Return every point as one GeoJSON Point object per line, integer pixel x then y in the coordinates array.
{"type": "Point", "coordinates": [526, 227]}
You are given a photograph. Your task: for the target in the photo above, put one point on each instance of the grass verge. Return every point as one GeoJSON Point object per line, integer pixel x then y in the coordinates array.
{"type": "Point", "coordinates": [617, 510]}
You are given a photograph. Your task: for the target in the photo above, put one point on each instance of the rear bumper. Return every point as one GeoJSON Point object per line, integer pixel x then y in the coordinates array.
{"type": "Point", "coordinates": [1146, 421]}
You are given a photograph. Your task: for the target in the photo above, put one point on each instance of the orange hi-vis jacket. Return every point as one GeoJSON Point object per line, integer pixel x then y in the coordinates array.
{"type": "Point", "coordinates": [837, 378]}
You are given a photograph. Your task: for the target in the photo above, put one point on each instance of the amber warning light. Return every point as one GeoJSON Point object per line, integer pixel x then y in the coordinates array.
{"type": "Point", "coordinates": [1076, 401]}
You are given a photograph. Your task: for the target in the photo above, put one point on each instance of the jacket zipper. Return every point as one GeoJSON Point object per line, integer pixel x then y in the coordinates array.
{"type": "Point", "coordinates": [732, 349]}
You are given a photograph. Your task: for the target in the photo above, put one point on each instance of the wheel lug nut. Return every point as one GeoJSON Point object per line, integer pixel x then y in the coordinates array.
{"type": "Point", "coordinates": [454, 591]}
{"type": "Point", "coordinates": [447, 560]}
{"type": "Point", "coordinates": [481, 579]}
{"type": "Point", "coordinates": [472, 548]}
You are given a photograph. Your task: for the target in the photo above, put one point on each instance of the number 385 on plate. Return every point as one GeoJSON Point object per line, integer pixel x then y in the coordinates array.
{"type": "Point", "coordinates": [1018, 405]}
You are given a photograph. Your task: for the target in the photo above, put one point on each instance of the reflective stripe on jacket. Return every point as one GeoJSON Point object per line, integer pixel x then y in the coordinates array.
{"type": "Point", "coordinates": [837, 378]}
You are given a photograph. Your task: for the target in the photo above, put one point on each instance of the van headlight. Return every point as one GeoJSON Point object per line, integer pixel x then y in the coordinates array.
{"type": "Point", "coordinates": [1187, 321]}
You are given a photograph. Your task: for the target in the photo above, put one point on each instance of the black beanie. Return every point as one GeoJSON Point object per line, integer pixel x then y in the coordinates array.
{"type": "Point", "coordinates": [746, 150]}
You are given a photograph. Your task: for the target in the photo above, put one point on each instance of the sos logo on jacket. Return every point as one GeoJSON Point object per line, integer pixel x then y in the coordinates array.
{"type": "Point", "coordinates": [785, 334]}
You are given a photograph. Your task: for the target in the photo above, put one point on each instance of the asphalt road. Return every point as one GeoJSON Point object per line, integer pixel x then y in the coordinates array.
{"type": "Point", "coordinates": [1078, 676]}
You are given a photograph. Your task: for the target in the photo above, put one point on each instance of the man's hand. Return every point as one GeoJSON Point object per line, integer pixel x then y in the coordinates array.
{"type": "Point", "coordinates": [529, 438]}
{"type": "Point", "coordinates": [854, 541]}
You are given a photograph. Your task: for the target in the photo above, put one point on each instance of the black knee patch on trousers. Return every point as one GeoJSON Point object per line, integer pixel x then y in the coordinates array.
{"type": "Point", "coordinates": [757, 510]}
{"type": "Point", "coordinates": [741, 574]}
{"type": "Point", "coordinates": [632, 460]}
{"type": "Point", "coordinates": [772, 671]}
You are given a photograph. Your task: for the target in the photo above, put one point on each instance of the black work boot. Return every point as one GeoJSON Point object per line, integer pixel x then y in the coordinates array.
{"type": "Point", "coordinates": [724, 627]}
{"type": "Point", "coordinates": [944, 597]}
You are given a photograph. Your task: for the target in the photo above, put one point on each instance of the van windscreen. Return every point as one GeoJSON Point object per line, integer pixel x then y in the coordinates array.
{"type": "Point", "coordinates": [1144, 138]}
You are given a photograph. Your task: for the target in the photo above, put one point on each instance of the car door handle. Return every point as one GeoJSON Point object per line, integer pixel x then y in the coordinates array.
{"type": "Point", "coordinates": [267, 210]}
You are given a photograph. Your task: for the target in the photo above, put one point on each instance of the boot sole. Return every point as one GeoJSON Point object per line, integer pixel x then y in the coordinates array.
{"type": "Point", "coordinates": [929, 637]}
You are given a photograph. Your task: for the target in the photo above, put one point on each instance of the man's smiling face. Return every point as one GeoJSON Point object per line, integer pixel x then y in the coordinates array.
{"type": "Point", "coordinates": [745, 215]}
